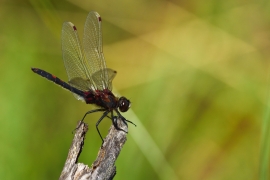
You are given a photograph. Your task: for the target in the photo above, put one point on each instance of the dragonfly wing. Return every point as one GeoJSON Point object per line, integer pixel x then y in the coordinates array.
{"type": "Point", "coordinates": [73, 57]}
{"type": "Point", "coordinates": [92, 43]}
{"type": "Point", "coordinates": [72, 52]}
{"type": "Point", "coordinates": [97, 77]}
{"type": "Point", "coordinates": [79, 83]}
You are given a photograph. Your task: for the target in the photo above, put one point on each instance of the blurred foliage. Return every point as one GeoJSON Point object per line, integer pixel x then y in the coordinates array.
{"type": "Point", "coordinates": [197, 73]}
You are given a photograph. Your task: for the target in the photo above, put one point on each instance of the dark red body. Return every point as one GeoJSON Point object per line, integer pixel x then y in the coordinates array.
{"type": "Point", "coordinates": [103, 98]}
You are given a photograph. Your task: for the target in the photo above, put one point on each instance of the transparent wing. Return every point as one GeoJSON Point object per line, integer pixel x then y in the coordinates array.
{"type": "Point", "coordinates": [79, 83]}
{"type": "Point", "coordinates": [73, 57]}
{"type": "Point", "coordinates": [92, 43]}
{"type": "Point", "coordinates": [97, 77]}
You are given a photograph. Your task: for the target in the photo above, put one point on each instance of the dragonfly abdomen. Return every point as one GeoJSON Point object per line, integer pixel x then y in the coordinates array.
{"type": "Point", "coordinates": [57, 81]}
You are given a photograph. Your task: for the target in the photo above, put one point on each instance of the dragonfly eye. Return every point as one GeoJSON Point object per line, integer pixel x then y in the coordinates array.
{"type": "Point", "coordinates": [123, 104]}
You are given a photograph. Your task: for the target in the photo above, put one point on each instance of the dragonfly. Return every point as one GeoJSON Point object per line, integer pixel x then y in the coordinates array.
{"type": "Point", "coordinates": [89, 79]}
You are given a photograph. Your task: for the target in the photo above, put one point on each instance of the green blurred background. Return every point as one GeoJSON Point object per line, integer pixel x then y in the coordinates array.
{"type": "Point", "coordinates": [197, 73]}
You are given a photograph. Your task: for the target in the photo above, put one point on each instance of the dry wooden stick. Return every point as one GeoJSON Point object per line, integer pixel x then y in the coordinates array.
{"type": "Point", "coordinates": [104, 165]}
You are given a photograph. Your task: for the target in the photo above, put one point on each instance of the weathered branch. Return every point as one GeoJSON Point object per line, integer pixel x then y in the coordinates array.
{"type": "Point", "coordinates": [104, 165]}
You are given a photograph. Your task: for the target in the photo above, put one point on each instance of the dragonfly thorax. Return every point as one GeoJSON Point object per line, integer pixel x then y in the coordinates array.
{"type": "Point", "coordinates": [103, 98]}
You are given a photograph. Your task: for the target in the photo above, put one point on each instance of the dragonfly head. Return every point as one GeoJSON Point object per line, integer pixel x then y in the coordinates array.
{"type": "Point", "coordinates": [123, 104]}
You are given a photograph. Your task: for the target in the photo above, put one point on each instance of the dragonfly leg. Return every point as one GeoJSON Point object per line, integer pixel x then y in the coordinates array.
{"type": "Point", "coordinates": [124, 119]}
{"type": "Point", "coordinates": [92, 111]}
{"type": "Point", "coordinates": [111, 116]}
{"type": "Point", "coordinates": [100, 119]}
{"type": "Point", "coordinates": [130, 122]}
{"type": "Point", "coordinates": [114, 120]}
